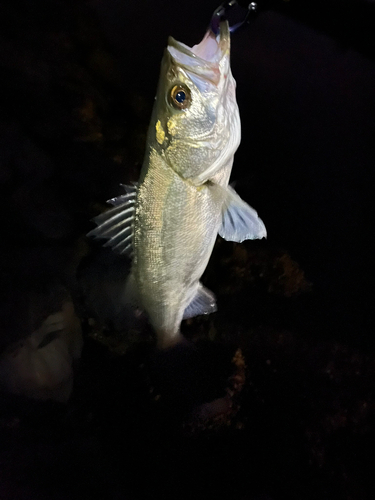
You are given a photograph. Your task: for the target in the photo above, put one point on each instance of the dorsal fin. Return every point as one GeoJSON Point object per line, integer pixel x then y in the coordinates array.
{"type": "Point", "coordinates": [116, 224]}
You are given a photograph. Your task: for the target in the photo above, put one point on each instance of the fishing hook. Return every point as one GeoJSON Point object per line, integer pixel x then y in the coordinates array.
{"type": "Point", "coordinates": [221, 14]}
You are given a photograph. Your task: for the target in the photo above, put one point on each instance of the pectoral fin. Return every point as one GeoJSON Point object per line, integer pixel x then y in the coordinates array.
{"type": "Point", "coordinates": [203, 302]}
{"type": "Point", "coordinates": [116, 224]}
{"type": "Point", "coordinates": [240, 222]}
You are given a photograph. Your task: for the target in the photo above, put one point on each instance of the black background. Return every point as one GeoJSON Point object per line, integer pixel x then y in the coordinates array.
{"type": "Point", "coordinates": [78, 81]}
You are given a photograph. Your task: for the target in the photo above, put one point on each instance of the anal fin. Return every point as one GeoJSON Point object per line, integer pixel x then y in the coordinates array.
{"type": "Point", "coordinates": [203, 302]}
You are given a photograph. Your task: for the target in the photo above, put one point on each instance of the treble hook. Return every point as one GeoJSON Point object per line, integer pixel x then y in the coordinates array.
{"type": "Point", "coordinates": [221, 14]}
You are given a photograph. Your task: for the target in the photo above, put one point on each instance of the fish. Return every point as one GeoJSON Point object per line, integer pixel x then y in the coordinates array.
{"type": "Point", "coordinates": [168, 222]}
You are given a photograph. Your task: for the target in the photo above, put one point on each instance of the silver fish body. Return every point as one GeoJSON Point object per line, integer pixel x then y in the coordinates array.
{"type": "Point", "coordinates": [170, 220]}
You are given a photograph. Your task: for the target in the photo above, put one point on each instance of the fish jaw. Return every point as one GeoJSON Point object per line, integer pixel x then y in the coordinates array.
{"type": "Point", "coordinates": [209, 59]}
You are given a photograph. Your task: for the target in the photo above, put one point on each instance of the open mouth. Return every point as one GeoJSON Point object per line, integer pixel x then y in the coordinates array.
{"type": "Point", "coordinates": [208, 52]}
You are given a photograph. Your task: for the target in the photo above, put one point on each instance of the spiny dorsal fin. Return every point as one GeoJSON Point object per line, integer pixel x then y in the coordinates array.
{"type": "Point", "coordinates": [116, 224]}
{"type": "Point", "coordinates": [131, 192]}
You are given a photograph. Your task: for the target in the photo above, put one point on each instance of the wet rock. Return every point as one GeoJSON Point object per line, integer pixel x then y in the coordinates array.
{"type": "Point", "coordinates": [40, 366]}
{"type": "Point", "coordinates": [221, 412]}
{"type": "Point", "coordinates": [196, 383]}
{"type": "Point", "coordinates": [40, 332]}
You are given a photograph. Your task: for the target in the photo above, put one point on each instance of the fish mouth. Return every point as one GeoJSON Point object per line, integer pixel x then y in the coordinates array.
{"type": "Point", "coordinates": [207, 54]}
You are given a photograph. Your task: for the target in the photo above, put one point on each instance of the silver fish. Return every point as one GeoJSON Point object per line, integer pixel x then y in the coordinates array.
{"type": "Point", "coordinates": [169, 221]}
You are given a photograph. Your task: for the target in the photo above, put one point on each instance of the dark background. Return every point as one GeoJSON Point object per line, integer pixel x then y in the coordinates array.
{"type": "Point", "coordinates": [78, 81]}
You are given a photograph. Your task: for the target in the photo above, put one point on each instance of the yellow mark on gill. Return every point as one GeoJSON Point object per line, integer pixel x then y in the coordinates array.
{"type": "Point", "coordinates": [160, 134]}
{"type": "Point", "coordinates": [171, 124]}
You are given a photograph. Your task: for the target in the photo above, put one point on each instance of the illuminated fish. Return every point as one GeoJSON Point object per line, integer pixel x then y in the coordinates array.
{"type": "Point", "coordinates": [168, 222]}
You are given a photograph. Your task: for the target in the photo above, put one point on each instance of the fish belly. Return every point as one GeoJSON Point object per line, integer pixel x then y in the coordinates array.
{"type": "Point", "coordinates": [176, 225]}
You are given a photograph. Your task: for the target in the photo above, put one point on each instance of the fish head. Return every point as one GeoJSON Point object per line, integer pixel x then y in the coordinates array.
{"type": "Point", "coordinates": [195, 124]}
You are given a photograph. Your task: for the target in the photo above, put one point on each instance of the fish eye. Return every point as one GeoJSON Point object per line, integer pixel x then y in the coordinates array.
{"type": "Point", "coordinates": [180, 97]}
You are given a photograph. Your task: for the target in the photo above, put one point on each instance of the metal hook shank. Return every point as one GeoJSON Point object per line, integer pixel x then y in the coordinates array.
{"type": "Point", "coordinates": [220, 14]}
